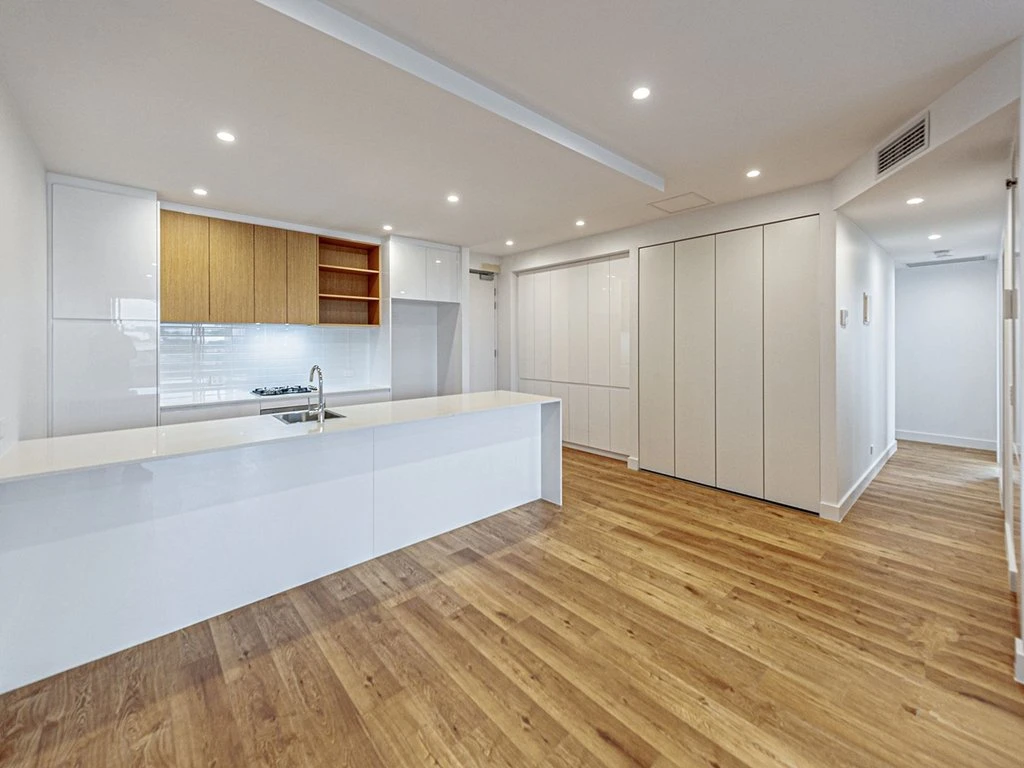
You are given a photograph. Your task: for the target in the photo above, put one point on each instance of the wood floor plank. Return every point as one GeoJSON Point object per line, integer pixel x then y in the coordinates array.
{"type": "Point", "coordinates": [647, 622]}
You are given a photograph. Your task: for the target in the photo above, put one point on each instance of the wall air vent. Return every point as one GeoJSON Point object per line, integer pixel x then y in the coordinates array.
{"type": "Point", "coordinates": [946, 261]}
{"type": "Point", "coordinates": [907, 144]}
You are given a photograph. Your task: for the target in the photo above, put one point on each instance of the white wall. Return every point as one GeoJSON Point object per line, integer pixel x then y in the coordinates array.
{"type": "Point", "coordinates": [946, 345]}
{"type": "Point", "coordinates": [865, 357]}
{"type": "Point", "coordinates": [22, 281]}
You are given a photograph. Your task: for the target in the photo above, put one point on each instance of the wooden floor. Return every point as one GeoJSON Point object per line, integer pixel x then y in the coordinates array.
{"type": "Point", "coordinates": [649, 623]}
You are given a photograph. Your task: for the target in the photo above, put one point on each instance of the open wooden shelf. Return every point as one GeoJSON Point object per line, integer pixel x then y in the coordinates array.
{"type": "Point", "coordinates": [349, 283]}
{"type": "Point", "coordinates": [350, 270]}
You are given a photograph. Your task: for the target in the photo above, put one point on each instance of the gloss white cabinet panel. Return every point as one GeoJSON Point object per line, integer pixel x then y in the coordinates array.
{"type": "Point", "coordinates": [525, 331]}
{"type": "Point", "coordinates": [598, 319]}
{"type": "Point", "coordinates": [619, 287]}
{"type": "Point", "coordinates": [194, 413]}
{"type": "Point", "coordinates": [561, 391]}
{"type": "Point", "coordinates": [442, 274]}
{"type": "Point", "coordinates": [792, 473]}
{"type": "Point", "coordinates": [657, 368]}
{"type": "Point", "coordinates": [542, 325]}
{"type": "Point", "coordinates": [619, 430]}
{"type": "Point", "coordinates": [739, 362]}
{"type": "Point", "coordinates": [579, 414]}
{"type": "Point", "coordinates": [407, 263]}
{"type": "Point", "coordinates": [103, 376]}
{"type": "Point", "coordinates": [599, 432]}
{"type": "Point", "coordinates": [695, 360]}
{"type": "Point", "coordinates": [104, 254]}
{"type": "Point", "coordinates": [579, 321]}
{"type": "Point", "coordinates": [559, 325]}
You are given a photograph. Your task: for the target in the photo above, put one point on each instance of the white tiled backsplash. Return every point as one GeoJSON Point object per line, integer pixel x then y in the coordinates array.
{"type": "Point", "coordinates": [207, 357]}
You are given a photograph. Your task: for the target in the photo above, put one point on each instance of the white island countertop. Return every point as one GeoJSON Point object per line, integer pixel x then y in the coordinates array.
{"type": "Point", "coordinates": [55, 455]}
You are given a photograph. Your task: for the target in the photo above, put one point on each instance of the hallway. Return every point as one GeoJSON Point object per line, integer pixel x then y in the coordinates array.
{"type": "Point", "coordinates": [650, 622]}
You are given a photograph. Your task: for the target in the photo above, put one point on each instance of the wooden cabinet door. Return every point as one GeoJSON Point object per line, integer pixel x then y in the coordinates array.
{"type": "Point", "coordinates": [184, 268]}
{"type": "Point", "coordinates": [270, 259]}
{"type": "Point", "coordinates": [303, 273]}
{"type": "Point", "coordinates": [231, 272]}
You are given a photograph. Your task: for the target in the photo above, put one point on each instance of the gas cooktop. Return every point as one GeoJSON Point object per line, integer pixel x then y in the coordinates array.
{"type": "Point", "coordinates": [295, 389]}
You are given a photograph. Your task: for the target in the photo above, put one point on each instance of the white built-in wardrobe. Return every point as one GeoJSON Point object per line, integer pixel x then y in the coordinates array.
{"type": "Point", "coordinates": [728, 358]}
{"type": "Point", "coordinates": [573, 343]}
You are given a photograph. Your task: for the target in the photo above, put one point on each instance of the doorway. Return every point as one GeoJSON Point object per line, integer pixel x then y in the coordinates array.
{"type": "Point", "coordinates": [483, 336]}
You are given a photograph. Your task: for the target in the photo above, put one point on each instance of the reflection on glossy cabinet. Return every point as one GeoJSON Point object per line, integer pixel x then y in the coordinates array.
{"type": "Point", "coordinates": [408, 264]}
{"type": "Point", "coordinates": [184, 268]}
{"type": "Point", "coordinates": [599, 419]}
{"type": "Point", "coordinates": [270, 259]}
{"type": "Point", "coordinates": [618, 321]}
{"type": "Point", "coordinates": [442, 271]}
{"type": "Point", "coordinates": [542, 325]}
{"type": "Point", "coordinates": [621, 421]}
{"type": "Point", "coordinates": [303, 274]}
{"type": "Point", "coordinates": [578, 300]}
{"type": "Point", "coordinates": [597, 323]}
{"type": "Point", "coordinates": [579, 414]}
{"type": "Point", "coordinates": [231, 272]}
{"type": "Point", "coordinates": [560, 325]}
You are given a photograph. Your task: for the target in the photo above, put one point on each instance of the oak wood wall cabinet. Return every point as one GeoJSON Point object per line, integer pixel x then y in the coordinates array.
{"type": "Point", "coordinates": [220, 271]}
{"type": "Point", "coordinates": [270, 280]}
{"type": "Point", "coordinates": [302, 278]}
{"type": "Point", "coordinates": [184, 268]}
{"type": "Point", "coordinates": [232, 296]}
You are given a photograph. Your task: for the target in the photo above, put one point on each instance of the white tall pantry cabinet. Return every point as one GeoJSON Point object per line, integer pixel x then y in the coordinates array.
{"type": "Point", "coordinates": [728, 361]}
{"type": "Point", "coordinates": [573, 342]}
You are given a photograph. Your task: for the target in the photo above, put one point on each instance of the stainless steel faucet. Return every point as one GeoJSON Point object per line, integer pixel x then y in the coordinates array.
{"type": "Point", "coordinates": [321, 407]}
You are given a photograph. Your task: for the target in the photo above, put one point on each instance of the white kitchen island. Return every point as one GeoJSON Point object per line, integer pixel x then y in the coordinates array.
{"type": "Point", "coordinates": [111, 539]}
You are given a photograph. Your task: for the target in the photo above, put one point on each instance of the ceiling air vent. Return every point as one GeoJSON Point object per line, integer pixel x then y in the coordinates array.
{"type": "Point", "coordinates": [944, 253]}
{"type": "Point", "coordinates": [911, 141]}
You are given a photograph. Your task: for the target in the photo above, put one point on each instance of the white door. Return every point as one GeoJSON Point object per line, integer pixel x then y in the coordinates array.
{"type": "Point", "coordinates": [483, 375]}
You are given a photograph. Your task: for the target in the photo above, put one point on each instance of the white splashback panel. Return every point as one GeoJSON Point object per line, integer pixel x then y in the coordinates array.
{"type": "Point", "coordinates": [204, 358]}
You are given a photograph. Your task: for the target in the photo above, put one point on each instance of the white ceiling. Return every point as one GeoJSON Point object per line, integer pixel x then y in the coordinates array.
{"type": "Point", "coordinates": [132, 91]}
{"type": "Point", "coordinates": [963, 183]}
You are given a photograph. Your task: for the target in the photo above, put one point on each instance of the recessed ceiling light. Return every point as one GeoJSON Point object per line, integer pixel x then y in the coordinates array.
{"type": "Point", "coordinates": [453, 198]}
{"type": "Point", "coordinates": [641, 93]}
{"type": "Point", "coordinates": [510, 242]}
{"type": "Point", "coordinates": [199, 191]}
{"type": "Point", "coordinates": [934, 237]}
{"type": "Point", "coordinates": [753, 173]}
{"type": "Point", "coordinates": [915, 201]}
{"type": "Point", "coordinates": [226, 136]}
{"type": "Point", "coordinates": [388, 227]}
{"type": "Point", "coordinates": [580, 222]}
{"type": "Point", "coordinates": [437, 261]}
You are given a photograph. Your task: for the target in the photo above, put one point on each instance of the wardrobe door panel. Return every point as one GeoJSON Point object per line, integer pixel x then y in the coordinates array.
{"type": "Point", "coordinates": [739, 362]}
{"type": "Point", "coordinates": [597, 327]}
{"type": "Point", "coordinates": [579, 414]}
{"type": "Point", "coordinates": [600, 419]}
{"type": "Point", "coordinates": [542, 325]}
{"type": "Point", "coordinates": [579, 287]}
{"type": "Point", "coordinates": [792, 472]}
{"type": "Point", "coordinates": [618, 405]}
{"type": "Point", "coordinates": [525, 326]}
{"type": "Point", "coordinates": [561, 391]}
{"type": "Point", "coordinates": [559, 325]}
{"type": "Point", "coordinates": [655, 346]}
{"type": "Point", "coordinates": [618, 322]}
{"type": "Point", "coordinates": [695, 360]}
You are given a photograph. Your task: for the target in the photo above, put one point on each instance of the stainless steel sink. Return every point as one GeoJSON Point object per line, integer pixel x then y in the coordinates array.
{"type": "Point", "coordinates": [296, 417]}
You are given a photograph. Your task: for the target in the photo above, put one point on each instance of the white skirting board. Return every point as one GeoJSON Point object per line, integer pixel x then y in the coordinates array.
{"type": "Point", "coordinates": [837, 512]}
{"type": "Point", "coordinates": [951, 440]}
{"type": "Point", "coordinates": [595, 451]}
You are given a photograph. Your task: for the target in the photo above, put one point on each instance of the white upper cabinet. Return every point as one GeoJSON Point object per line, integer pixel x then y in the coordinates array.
{"type": "Point", "coordinates": [618, 322]}
{"type": "Point", "coordinates": [739, 362]}
{"type": "Point", "coordinates": [560, 325]}
{"type": "Point", "coordinates": [442, 274]}
{"type": "Point", "coordinates": [542, 325]}
{"type": "Point", "coordinates": [598, 318]}
{"type": "Point", "coordinates": [525, 326]}
{"type": "Point", "coordinates": [579, 287]}
{"type": "Point", "coordinates": [408, 265]}
{"type": "Point", "coordinates": [423, 272]}
{"type": "Point", "coordinates": [104, 248]}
